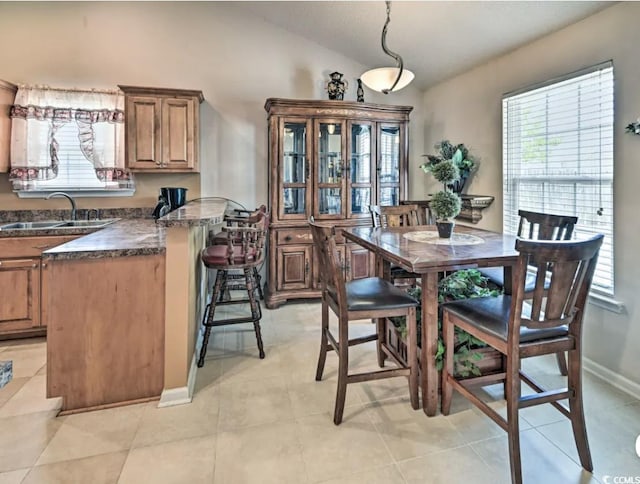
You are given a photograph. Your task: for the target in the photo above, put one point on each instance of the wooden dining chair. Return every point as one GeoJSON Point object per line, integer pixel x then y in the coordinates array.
{"type": "Point", "coordinates": [372, 297]}
{"type": "Point", "coordinates": [395, 215]}
{"type": "Point", "coordinates": [398, 216]}
{"type": "Point", "coordinates": [537, 226]}
{"type": "Point", "coordinates": [549, 322]}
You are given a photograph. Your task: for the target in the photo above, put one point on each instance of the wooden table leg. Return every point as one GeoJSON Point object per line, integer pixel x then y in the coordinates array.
{"type": "Point", "coordinates": [429, 343]}
{"type": "Point", "coordinates": [383, 270]}
{"type": "Point", "coordinates": [507, 279]}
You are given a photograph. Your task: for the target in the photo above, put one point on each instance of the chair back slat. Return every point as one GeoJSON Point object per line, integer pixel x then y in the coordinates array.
{"type": "Point", "coordinates": [568, 267]}
{"type": "Point", "coordinates": [331, 276]}
{"type": "Point", "coordinates": [546, 226]}
{"type": "Point", "coordinates": [395, 215]}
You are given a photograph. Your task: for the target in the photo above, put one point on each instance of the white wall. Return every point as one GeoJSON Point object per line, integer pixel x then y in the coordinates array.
{"type": "Point", "coordinates": [237, 62]}
{"type": "Point", "coordinates": [467, 109]}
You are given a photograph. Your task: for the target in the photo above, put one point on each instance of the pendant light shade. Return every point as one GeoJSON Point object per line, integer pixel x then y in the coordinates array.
{"type": "Point", "coordinates": [388, 79]}
{"type": "Point", "coordinates": [380, 79]}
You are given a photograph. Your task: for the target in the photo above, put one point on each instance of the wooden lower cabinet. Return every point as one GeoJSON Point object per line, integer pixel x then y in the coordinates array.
{"type": "Point", "coordinates": [294, 269]}
{"type": "Point", "coordinates": [22, 313]}
{"type": "Point", "coordinates": [109, 349]}
{"type": "Point", "coordinates": [20, 283]}
{"type": "Point", "coordinates": [293, 265]}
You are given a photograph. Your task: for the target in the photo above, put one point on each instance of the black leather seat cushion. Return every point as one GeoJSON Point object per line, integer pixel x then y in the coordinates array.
{"type": "Point", "coordinates": [496, 275]}
{"type": "Point", "coordinates": [374, 293]}
{"type": "Point", "coordinates": [492, 315]}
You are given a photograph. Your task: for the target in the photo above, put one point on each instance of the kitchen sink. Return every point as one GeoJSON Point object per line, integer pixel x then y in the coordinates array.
{"type": "Point", "coordinates": [57, 224]}
{"type": "Point", "coordinates": [44, 224]}
{"type": "Point", "coordinates": [86, 223]}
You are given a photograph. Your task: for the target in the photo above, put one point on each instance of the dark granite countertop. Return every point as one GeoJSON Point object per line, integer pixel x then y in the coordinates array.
{"type": "Point", "coordinates": [50, 231]}
{"type": "Point", "coordinates": [123, 238]}
{"type": "Point", "coordinates": [195, 213]}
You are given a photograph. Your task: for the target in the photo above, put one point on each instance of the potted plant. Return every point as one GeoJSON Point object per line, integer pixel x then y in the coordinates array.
{"type": "Point", "coordinates": [445, 204]}
{"type": "Point", "coordinates": [460, 156]}
{"type": "Point", "coordinates": [471, 356]}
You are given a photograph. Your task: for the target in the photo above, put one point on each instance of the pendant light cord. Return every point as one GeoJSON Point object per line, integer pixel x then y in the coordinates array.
{"type": "Point", "coordinates": [386, 50]}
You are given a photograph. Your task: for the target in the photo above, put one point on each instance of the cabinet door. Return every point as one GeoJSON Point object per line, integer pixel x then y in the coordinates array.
{"type": "Point", "coordinates": [360, 168]}
{"type": "Point", "coordinates": [329, 170]}
{"type": "Point", "coordinates": [359, 262]}
{"type": "Point", "coordinates": [294, 178]}
{"type": "Point", "coordinates": [294, 267]}
{"type": "Point", "coordinates": [143, 115]}
{"type": "Point", "coordinates": [342, 260]}
{"type": "Point", "coordinates": [178, 134]}
{"type": "Point", "coordinates": [390, 166]}
{"type": "Point", "coordinates": [7, 97]}
{"type": "Point", "coordinates": [20, 287]}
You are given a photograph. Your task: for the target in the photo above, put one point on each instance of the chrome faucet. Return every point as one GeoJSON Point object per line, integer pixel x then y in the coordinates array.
{"type": "Point", "coordinates": [68, 197]}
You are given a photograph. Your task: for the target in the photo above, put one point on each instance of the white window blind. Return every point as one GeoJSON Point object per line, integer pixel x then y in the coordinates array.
{"type": "Point", "coordinates": [558, 157]}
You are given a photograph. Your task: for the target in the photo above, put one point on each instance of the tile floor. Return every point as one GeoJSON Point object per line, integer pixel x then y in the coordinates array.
{"type": "Point", "coordinates": [268, 421]}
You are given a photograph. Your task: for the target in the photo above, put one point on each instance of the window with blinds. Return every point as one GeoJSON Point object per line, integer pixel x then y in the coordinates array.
{"type": "Point", "coordinates": [558, 157]}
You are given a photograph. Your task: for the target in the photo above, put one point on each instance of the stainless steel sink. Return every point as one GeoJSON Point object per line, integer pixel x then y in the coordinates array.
{"type": "Point", "coordinates": [57, 224]}
{"type": "Point", "coordinates": [86, 223]}
{"type": "Point", "coordinates": [44, 224]}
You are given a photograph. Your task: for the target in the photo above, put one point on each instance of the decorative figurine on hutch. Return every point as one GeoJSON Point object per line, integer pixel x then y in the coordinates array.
{"type": "Point", "coordinates": [336, 86]}
{"type": "Point", "coordinates": [360, 92]}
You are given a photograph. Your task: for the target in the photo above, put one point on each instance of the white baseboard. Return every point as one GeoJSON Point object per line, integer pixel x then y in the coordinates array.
{"type": "Point", "coordinates": [612, 378]}
{"type": "Point", "coordinates": [181, 395]}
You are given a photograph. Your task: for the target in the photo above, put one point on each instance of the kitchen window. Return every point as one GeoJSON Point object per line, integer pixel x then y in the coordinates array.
{"type": "Point", "coordinates": [558, 157]}
{"type": "Point", "coordinates": [71, 140]}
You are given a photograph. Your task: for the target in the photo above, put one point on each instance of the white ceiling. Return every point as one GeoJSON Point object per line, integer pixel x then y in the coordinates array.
{"type": "Point", "coordinates": [437, 40]}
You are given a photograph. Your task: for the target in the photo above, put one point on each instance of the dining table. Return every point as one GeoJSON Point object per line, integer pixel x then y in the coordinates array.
{"type": "Point", "coordinates": [420, 250]}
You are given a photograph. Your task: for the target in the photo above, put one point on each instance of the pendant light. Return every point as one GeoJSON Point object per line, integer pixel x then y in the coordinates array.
{"type": "Point", "coordinates": [388, 79]}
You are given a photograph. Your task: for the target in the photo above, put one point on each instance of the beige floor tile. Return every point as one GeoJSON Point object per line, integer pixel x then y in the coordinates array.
{"type": "Point", "coordinates": [93, 433]}
{"type": "Point", "coordinates": [180, 422]}
{"type": "Point", "coordinates": [541, 460]}
{"type": "Point", "coordinates": [100, 469]}
{"type": "Point", "coordinates": [248, 366]}
{"type": "Point", "coordinates": [13, 477]}
{"type": "Point", "coordinates": [27, 359]}
{"type": "Point", "coordinates": [11, 388]}
{"type": "Point", "coordinates": [455, 466]}
{"type": "Point", "coordinates": [209, 375]}
{"type": "Point", "coordinates": [31, 398]}
{"type": "Point", "coordinates": [24, 437]}
{"type": "Point", "coordinates": [313, 397]}
{"type": "Point", "coordinates": [332, 451]}
{"type": "Point", "coordinates": [264, 454]}
{"type": "Point", "coordinates": [612, 437]}
{"type": "Point", "coordinates": [180, 462]}
{"type": "Point", "coordinates": [410, 433]}
{"type": "Point", "coordinates": [381, 475]}
{"type": "Point", "coordinates": [255, 402]}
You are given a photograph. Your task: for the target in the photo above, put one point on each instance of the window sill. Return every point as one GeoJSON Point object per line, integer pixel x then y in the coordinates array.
{"type": "Point", "coordinates": [92, 193]}
{"type": "Point", "coordinates": [606, 301]}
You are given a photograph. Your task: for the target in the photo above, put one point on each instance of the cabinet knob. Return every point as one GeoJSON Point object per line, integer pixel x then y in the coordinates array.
{"type": "Point", "coordinates": [44, 264]}
{"type": "Point", "coordinates": [0, 262]}
{"type": "Point", "coordinates": [287, 238]}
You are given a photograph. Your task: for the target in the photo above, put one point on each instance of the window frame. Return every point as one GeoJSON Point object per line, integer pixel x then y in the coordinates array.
{"type": "Point", "coordinates": [601, 295]}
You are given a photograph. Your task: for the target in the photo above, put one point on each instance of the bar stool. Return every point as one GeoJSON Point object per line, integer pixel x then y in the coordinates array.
{"type": "Point", "coordinates": [243, 218]}
{"type": "Point", "coordinates": [244, 250]}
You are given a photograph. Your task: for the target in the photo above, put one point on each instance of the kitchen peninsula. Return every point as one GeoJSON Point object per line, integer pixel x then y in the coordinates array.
{"type": "Point", "coordinates": [123, 306]}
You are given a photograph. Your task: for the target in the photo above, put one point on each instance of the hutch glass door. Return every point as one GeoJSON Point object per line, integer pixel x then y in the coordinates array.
{"type": "Point", "coordinates": [294, 169]}
{"type": "Point", "coordinates": [360, 174]}
{"type": "Point", "coordinates": [330, 165]}
{"type": "Point", "coordinates": [389, 144]}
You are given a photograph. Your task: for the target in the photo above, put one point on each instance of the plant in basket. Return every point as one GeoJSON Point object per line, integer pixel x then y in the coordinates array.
{"type": "Point", "coordinates": [461, 284]}
{"type": "Point", "coordinates": [459, 154]}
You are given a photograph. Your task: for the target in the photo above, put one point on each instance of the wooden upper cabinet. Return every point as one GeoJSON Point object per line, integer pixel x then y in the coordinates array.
{"type": "Point", "coordinates": [162, 129]}
{"type": "Point", "coordinates": [7, 97]}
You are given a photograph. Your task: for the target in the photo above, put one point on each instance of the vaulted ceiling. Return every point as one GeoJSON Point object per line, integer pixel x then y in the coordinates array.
{"type": "Point", "coordinates": [436, 39]}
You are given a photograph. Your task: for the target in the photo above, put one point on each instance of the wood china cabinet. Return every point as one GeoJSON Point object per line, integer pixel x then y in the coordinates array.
{"type": "Point", "coordinates": [162, 129]}
{"type": "Point", "coordinates": [329, 160]}
{"type": "Point", "coordinates": [7, 96]}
